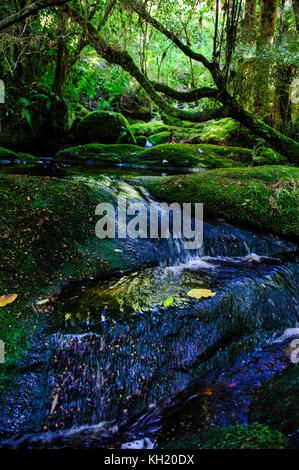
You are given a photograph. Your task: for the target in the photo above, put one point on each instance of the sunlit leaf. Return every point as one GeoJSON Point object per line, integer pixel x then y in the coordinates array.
{"type": "Point", "coordinates": [7, 299]}
{"type": "Point", "coordinates": [42, 301]}
{"type": "Point", "coordinates": [198, 293]}
{"type": "Point", "coordinates": [168, 301]}
{"type": "Point", "coordinates": [54, 403]}
{"type": "Point", "coordinates": [67, 316]}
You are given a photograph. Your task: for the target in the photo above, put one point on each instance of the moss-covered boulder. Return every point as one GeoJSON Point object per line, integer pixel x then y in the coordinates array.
{"type": "Point", "coordinates": [253, 436]}
{"type": "Point", "coordinates": [277, 403]}
{"type": "Point", "coordinates": [11, 156]}
{"type": "Point", "coordinates": [99, 153]}
{"type": "Point", "coordinates": [221, 131]}
{"type": "Point", "coordinates": [159, 138]}
{"type": "Point", "coordinates": [104, 127]}
{"type": "Point", "coordinates": [149, 128]}
{"type": "Point", "coordinates": [195, 156]}
{"type": "Point", "coordinates": [265, 198]}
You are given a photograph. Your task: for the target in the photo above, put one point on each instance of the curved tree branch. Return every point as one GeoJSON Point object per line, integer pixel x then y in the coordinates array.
{"type": "Point", "coordinates": [28, 11]}
{"type": "Point", "coordinates": [186, 96]}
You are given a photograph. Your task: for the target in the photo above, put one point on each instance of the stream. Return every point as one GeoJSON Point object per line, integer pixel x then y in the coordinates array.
{"type": "Point", "coordinates": [120, 369]}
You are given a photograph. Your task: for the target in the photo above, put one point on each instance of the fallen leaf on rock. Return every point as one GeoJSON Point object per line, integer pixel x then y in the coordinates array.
{"type": "Point", "coordinates": [54, 403]}
{"type": "Point", "coordinates": [198, 293]}
{"type": "Point", "coordinates": [7, 299]}
{"type": "Point", "coordinates": [168, 301]}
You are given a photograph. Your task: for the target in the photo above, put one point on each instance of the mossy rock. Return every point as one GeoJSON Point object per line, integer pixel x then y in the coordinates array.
{"type": "Point", "coordinates": [268, 156]}
{"type": "Point", "coordinates": [253, 436]}
{"type": "Point", "coordinates": [175, 135]}
{"type": "Point", "coordinates": [196, 156]}
{"type": "Point", "coordinates": [149, 128]}
{"type": "Point", "coordinates": [98, 152]}
{"type": "Point", "coordinates": [277, 403]}
{"type": "Point", "coordinates": [104, 127]}
{"type": "Point", "coordinates": [10, 155]}
{"type": "Point", "coordinates": [264, 198]}
{"type": "Point", "coordinates": [159, 138]}
{"type": "Point", "coordinates": [221, 131]}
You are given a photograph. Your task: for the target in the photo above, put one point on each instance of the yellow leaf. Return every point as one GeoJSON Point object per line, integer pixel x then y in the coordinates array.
{"type": "Point", "coordinates": [7, 299]}
{"type": "Point", "coordinates": [168, 301]}
{"type": "Point", "coordinates": [54, 403]}
{"type": "Point", "coordinates": [67, 316]}
{"type": "Point", "coordinates": [198, 293]}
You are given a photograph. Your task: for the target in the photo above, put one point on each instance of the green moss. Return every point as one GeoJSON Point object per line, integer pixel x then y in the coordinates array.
{"type": "Point", "coordinates": [253, 436]}
{"type": "Point", "coordinates": [189, 155]}
{"type": "Point", "coordinates": [169, 155]}
{"type": "Point", "coordinates": [221, 131]}
{"type": "Point", "coordinates": [104, 127]}
{"type": "Point", "coordinates": [277, 402]}
{"type": "Point", "coordinates": [149, 128]}
{"type": "Point", "coordinates": [265, 198]}
{"type": "Point", "coordinates": [100, 152]}
{"type": "Point", "coordinates": [47, 238]}
{"type": "Point", "coordinates": [6, 154]}
{"type": "Point", "coordinates": [267, 156]}
{"type": "Point", "coordinates": [159, 138]}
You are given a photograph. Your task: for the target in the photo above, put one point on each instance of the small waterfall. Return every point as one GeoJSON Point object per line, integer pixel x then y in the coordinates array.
{"type": "Point", "coordinates": [124, 359]}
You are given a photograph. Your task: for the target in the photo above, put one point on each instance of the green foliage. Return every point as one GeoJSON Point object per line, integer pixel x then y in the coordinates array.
{"type": "Point", "coordinates": [267, 156]}
{"type": "Point", "coordinates": [253, 436]}
{"type": "Point", "coordinates": [265, 198]}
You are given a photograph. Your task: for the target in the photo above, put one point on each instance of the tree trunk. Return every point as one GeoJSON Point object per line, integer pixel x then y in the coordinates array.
{"type": "Point", "coordinates": [295, 4]}
{"type": "Point", "coordinates": [286, 146]}
{"type": "Point", "coordinates": [263, 62]}
{"type": "Point", "coordinates": [248, 22]}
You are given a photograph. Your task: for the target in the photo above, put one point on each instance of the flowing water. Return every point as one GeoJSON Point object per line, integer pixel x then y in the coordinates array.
{"type": "Point", "coordinates": [119, 366]}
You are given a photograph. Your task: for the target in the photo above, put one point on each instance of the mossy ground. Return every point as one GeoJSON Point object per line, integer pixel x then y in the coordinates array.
{"type": "Point", "coordinates": [253, 436]}
{"type": "Point", "coordinates": [265, 198]}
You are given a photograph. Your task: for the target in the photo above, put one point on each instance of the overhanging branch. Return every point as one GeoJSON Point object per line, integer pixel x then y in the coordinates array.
{"type": "Point", "coordinates": [186, 96]}
{"type": "Point", "coordinates": [28, 11]}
